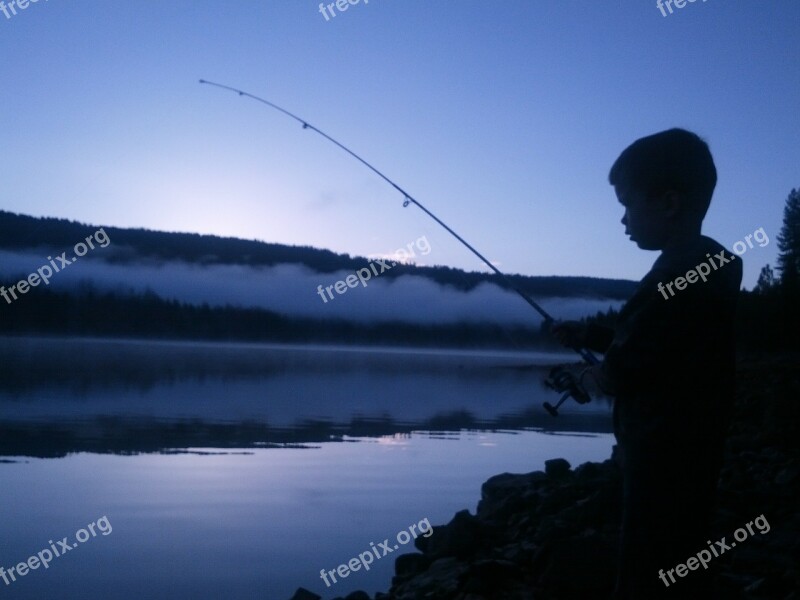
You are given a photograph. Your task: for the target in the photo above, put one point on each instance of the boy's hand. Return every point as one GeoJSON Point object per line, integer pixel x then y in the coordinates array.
{"type": "Point", "coordinates": [596, 383]}
{"type": "Point", "coordinates": [571, 334]}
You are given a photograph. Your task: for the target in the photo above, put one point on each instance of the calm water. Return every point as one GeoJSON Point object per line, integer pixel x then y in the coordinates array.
{"type": "Point", "coordinates": [240, 471]}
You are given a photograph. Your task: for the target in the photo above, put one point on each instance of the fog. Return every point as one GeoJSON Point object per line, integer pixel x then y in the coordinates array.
{"type": "Point", "coordinates": [292, 290]}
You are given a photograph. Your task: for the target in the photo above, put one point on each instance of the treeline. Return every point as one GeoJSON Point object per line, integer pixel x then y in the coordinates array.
{"type": "Point", "coordinates": [769, 318]}
{"type": "Point", "coordinates": [129, 246]}
{"type": "Point", "coordinates": [90, 312]}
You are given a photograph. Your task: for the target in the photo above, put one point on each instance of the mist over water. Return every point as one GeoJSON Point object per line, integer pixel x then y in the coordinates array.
{"type": "Point", "coordinates": [292, 290]}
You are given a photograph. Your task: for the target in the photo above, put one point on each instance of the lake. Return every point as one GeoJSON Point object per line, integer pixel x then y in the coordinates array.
{"type": "Point", "coordinates": [242, 470]}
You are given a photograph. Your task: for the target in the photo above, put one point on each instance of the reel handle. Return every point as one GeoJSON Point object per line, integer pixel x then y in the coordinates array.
{"type": "Point", "coordinates": [553, 410]}
{"type": "Point", "coordinates": [562, 381]}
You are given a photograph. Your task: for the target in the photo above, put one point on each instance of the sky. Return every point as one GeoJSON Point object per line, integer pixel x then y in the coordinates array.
{"type": "Point", "coordinates": [501, 118]}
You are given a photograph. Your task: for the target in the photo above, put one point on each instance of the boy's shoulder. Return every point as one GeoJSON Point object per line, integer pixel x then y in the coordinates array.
{"type": "Point", "coordinates": [699, 248]}
{"type": "Point", "coordinates": [724, 269]}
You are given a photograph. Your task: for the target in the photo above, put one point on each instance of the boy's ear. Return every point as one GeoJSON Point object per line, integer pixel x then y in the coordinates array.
{"type": "Point", "coordinates": [673, 203]}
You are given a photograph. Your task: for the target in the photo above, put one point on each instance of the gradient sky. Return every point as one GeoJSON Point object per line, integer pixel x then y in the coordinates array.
{"type": "Point", "coordinates": [503, 118]}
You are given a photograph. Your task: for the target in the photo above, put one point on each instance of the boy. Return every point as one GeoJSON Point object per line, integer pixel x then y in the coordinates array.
{"type": "Point", "coordinates": [669, 363]}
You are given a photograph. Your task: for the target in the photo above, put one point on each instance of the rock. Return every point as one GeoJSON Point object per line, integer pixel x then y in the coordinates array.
{"type": "Point", "coordinates": [488, 577]}
{"type": "Point", "coordinates": [505, 484]}
{"type": "Point", "coordinates": [517, 553]}
{"type": "Point", "coordinates": [579, 565]}
{"type": "Point", "coordinates": [556, 468]}
{"type": "Point", "coordinates": [787, 476]}
{"type": "Point", "coordinates": [440, 581]}
{"type": "Point", "coordinates": [587, 471]}
{"type": "Point", "coordinates": [408, 565]}
{"type": "Point", "coordinates": [304, 594]}
{"type": "Point", "coordinates": [765, 588]}
{"type": "Point", "coordinates": [459, 538]}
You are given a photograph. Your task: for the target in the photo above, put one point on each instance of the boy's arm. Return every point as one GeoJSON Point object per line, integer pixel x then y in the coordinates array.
{"type": "Point", "coordinates": [574, 334]}
{"type": "Point", "coordinates": [649, 337]}
{"type": "Point", "coordinates": [598, 337]}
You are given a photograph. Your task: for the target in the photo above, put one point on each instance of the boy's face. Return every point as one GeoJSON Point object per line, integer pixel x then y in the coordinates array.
{"type": "Point", "coordinates": [646, 218]}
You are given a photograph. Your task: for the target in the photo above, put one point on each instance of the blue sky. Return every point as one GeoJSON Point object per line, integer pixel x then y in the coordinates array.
{"type": "Point", "coordinates": [503, 118]}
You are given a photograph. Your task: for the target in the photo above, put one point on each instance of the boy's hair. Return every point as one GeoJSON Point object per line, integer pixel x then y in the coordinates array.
{"type": "Point", "coordinates": [672, 160]}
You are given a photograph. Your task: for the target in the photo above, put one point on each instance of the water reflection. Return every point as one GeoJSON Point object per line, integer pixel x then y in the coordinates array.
{"type": "Point", "coordinates": [60, 396]}
{"type": "Point", "coordinates": [176, 445]}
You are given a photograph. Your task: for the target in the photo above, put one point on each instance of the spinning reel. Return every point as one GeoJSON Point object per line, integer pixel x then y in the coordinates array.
{"type": "Point", "coordinates": [563, 381]}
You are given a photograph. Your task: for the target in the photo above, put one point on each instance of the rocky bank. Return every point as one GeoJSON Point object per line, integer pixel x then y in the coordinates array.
{"type": "Point", "coordinates": [553, 534]}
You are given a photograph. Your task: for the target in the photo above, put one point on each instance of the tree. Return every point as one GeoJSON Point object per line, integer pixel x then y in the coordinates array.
{"type": "Point", "coordinates": [789, 243]}
{"type": "Point", "coordinates": [766, 280]}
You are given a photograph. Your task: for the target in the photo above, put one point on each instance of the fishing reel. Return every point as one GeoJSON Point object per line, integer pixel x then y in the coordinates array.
{"type": "Point", "coordinates": [563, 381]}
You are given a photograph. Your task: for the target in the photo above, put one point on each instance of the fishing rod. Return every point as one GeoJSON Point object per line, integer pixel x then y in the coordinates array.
{"type": "Point", "coordinates": [558, 381]}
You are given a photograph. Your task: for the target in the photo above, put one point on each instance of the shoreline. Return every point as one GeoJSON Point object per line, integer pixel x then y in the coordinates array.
{"type": "Point", "coordinates": [554, 533]}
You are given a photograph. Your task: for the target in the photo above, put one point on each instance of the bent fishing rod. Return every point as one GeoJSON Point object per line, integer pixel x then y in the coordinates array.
{"type": "Point", "coordinates": [558, 383]}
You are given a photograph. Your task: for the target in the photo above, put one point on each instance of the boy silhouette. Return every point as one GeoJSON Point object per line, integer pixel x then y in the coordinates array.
{"type": "Point", "coordinates": [669, 364]}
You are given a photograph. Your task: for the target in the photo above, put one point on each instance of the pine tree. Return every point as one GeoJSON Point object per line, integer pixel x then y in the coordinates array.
{"type": "Point", "coordinates": [789, 243]}
{"type": "Point", "coordinates": [766, 280]}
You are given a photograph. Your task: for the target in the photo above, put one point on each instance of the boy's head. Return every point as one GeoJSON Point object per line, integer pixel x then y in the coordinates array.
{"type": "Point", "coordinates": [665, 182]}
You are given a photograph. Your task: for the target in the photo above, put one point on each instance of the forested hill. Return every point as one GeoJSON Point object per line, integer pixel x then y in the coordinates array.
{"type": "Point", "coordinates": [21, 232]}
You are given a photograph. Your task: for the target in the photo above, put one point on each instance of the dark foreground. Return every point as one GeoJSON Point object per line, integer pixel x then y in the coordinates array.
{"type": "Point", "coordinates": [553, 534]}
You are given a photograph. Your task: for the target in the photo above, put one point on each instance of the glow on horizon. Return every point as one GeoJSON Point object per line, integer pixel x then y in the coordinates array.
{"type": "Point", "coordinates": [503, 122]}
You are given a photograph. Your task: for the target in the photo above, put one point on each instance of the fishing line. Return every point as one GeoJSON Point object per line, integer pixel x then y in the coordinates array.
{"type": "Point", "coordinates": [409, 199]}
